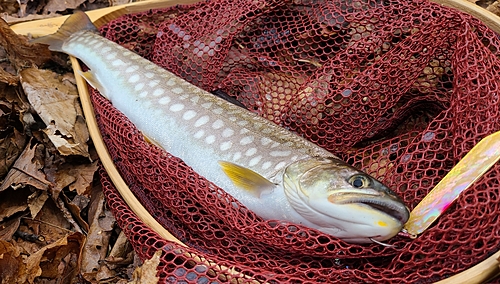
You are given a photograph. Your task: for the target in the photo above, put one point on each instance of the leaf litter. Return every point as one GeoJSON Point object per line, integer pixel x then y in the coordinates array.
{"type": "Point", "coordinates": [55, 226]}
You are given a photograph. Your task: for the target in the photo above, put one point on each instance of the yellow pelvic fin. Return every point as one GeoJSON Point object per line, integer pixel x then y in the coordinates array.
{"type": "Point", "coordinates": [79, 21]}
{"type": "Point", "coordinates": [247, 179]}
{"type": "Point", "coordinates": [89, 77]}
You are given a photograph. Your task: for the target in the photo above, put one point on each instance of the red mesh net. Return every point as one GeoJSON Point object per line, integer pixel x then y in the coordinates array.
{"type": "Point", "coordinates": [400, 89]}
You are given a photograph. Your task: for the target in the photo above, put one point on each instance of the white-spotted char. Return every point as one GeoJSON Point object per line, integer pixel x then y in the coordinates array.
{"type": "Point", "coordinates": [273, 172]}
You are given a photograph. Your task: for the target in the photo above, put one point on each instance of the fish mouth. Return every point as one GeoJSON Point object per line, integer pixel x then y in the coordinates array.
{"type": "Point", "coordinates": [380, 201]}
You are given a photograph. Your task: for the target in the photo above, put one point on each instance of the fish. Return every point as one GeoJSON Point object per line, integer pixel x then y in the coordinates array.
{"type": "Point", "coordinates": [273, 172]}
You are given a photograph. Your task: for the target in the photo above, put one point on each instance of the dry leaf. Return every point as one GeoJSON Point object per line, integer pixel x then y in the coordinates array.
{"type": "Point", "coordinates": [146, 274]}
{"type": "Point", "coordinates": [13, 201]}
{"type": "Point", "coordinates": [20, 52]}
{"type": "Point", "coordinates": [101, 223]}
{"type": "Point", "coordinates": [57, 104]}
{"type": "Point", "coordinates": [8, 228]}
{"type": "Point", "coordinates": [61, 5]}
{"type": "Point", "coordinates": [12, 267]}
{"type": "Point", "coordinates": [36, 201]}
{"type": "Point", "coordinates": [58, 260]}
{"type": "Point", "coordinates": [27, 170]}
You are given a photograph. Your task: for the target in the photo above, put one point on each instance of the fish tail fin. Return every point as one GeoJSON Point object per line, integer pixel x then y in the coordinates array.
{"type": "Point", "coordinates": [79, 21]}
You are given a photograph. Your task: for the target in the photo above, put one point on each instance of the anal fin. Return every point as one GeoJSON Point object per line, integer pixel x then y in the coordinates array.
{"type": "Point", "coordinates": [247, 179]}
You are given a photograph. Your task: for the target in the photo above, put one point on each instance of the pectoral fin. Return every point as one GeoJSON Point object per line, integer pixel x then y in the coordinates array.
{"type": "Point", "coordinates": [247, 179]}
{"type": "Point", "coordinates": [89, 77]}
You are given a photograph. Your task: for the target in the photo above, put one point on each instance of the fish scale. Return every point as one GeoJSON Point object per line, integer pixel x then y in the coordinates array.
{"type": "Point", "coordinates": [272, 171]}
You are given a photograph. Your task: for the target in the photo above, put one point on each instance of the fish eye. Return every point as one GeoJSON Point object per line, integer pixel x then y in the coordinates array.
{"type": "Point", "coordinates": [359, 181]}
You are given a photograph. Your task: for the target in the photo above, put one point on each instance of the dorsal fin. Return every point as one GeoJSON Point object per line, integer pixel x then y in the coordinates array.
{"type": "Point", "coordinates": [79, 21]}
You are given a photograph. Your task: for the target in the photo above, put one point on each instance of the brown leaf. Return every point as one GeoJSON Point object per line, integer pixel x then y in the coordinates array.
{"type": "Point", "coordinates": [13, 201]}
{"type": "Point", "coordinates": [75, 207]}
{"type": "Point", "coordinates": [57, 104]}
{"type": "Point", "coordinates": [101, 225]}
{"type": "Point", "coordinates": [146, 274]}
{"type": "Point", "coordinates": [61, 5]}
{"type": "Point", "coordinates": [36, 201]}
{"type": "Point", "coordinates": [58, 260]}
{"type": "Point", "coordinates": [27, 170]}
{"type": "Point", "coordinates": [20, 52]}
{"type": "Point", "coordinates": [12, 267]}
{"type": "Point", "coordinates": [12, 142]}
{"type": "Point", "coordinates": [8, 228]}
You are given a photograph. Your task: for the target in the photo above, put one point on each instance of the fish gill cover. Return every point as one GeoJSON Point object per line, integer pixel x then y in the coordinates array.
{"type": "Point", "coordinates": [399, 89]}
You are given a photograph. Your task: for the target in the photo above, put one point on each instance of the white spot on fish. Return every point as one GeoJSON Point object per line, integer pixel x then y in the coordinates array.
{"type": "Point", "coordinates": [210, 139]}
{"type": "Point", "coordinates": [127, 53]}
{"type": "Point", "coordinates": [195, 99]}
{"type": "Point", "coordinates": [134, 56]}
{"type": "Point", "coordinates": [294, 158]}
{"type": "Point", "coordinates": [79, 39]}
{"type": "Point", "coordinates": [117, 62]}
{"type": "Point", "coordinates": [106, 49]}
{"type": "Point", "coordinates": [171, 82]}
{"type": "Point", "coordinates": [149, 66]}
{"type": "Point", "coordinates": [242, 122]}
{"type": "Point", "coordinates": [266, 165]}
{"type": "Point", "coordinates": [226, 145]}
{"type": "Point", "coordinates": [218, 110]}
{"type": "Point", "coordinates": [132, 68]}
{"type": "Point", "coordinates": [280, 165]}
{"type": "Point", "coordinates": [280, 153]}
{"type": "Point", "coordinates": [251, 152]}
{"type": "Point", "coordinates": [183, 97]}
{"type": "Point", "coordinates": [143, 94]}
{"type": "Point", "coordinates": [228, 132]}
{"type": "Point", "coordinates": [207, 105]}
{"type": "Point", "coordinates": [177, 107]}
{"type": "Point", "coordinates": [218, 124]}
{"type": "Point", "coordinates": [149, 75]}
{"type": "Point", "coordinates": [246, 140]}
{"type": "Point", "coordinates": [254, 161]}
{"type": "Point", "coordinates": [244, 131]}
{"type": "Point", "coordinates": [189, 115]}
{"type": "Point", "coordinates": [201, 121]}
{"type": "Point", "coordinates": [178, 90]}
{"type": "Point", "coordinates": [97, 45]}
{"type": "Point", "coordinates": [139, 86]}
{"type": "Point", "coordinates": [232, 118]}
{"type": "Point", "coordinates": [158, 92]}
{"type": "Point", "coordinates": [111, 56]}
{"type": "Point", "coordinates": [153, 83]}
{"type": "Point", "coordinates": [164, 100]}
{"type": "Point", "coordinates": [266, 131]}
{"type": "Point", "coordinates": [199, 134]}
{"type": "Point", "coordinates": [236, 156]}
{"type": "Point", "coordinates": [134, 78]}
{"type": "Point", "coordinates": [265, 141]}
{"type": "Point", "coordinates": [92, 42]}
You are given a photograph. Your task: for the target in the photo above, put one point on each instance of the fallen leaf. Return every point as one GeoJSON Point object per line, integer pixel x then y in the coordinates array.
{"type": "Point", "coordinates": [76, 206]}
{"type": "Point", "coordinates": [8, 228]}
{"type": "Point", "coordinates": [57, 104]}
{"type": "Point", "coordinates": [13, 201]}
{"type": "Point", "coordinates": [12, 267]}
{"type": "Point", "coordinates": [61, 5]}
{"type": "Point", "coordinates": [20, 52]}
{"type": "Point", "coordinates": [58, 260]}
{"type": "Point", "coordinates": [146, 274]}
{"type": "Point", "coordinates": [27, 170]}
{"type": "Point", "coordinates": [101, 223]}
{"type": "Point", "coordinates": [36, 201]}
{"type": "Point", "coordinates": [77, 177]}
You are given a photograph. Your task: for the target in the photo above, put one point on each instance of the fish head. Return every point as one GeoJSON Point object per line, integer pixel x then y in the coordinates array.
{"type": "Point", "coordinates": [343, 201]}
